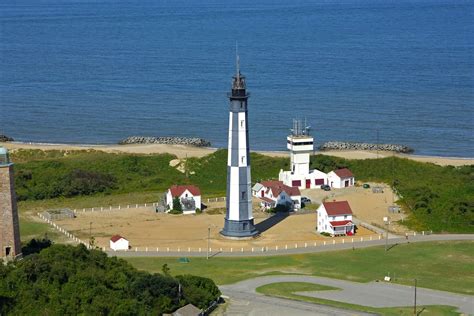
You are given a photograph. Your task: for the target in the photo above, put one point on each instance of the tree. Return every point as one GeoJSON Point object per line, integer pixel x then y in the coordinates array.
{"type": "Point", "coordinates": [177, 207]}
{"type": "Point", "coordinates": [68, 280]}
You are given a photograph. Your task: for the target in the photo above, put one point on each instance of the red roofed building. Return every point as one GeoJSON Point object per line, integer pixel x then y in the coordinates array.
{"type": "Point", "coordinates": [118, 242]}
{"type": "Point", "coordinates": [271, 193]}
{"type": "Point", "coordinates": [189, 196]}
{"type": "Point", "coordinates": [335, 218]}
{"type": "Point", "coordinates": [341, 178]}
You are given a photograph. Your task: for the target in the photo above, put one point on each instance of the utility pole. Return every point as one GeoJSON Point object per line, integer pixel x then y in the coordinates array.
{"type": "Point", "coordinates": [90, 234]}
{"type": "Point", "coordinates": [387, 222]}
{"type": "Point", "coordinates": [414, 305]}
{"type": "Point", "coordinates": [208, 239]}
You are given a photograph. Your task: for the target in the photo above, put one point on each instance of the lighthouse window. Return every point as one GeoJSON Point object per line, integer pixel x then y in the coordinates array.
{"type": "Point", "coordinates": [242, 123]}
{"type": "Point", "coordinates": [243, 195]}
{"type": "Point", "coordinates": [243, 159]}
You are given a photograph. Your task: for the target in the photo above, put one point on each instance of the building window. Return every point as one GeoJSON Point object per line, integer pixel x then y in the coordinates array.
{"type": "Point", "coordinates": [345, 216]}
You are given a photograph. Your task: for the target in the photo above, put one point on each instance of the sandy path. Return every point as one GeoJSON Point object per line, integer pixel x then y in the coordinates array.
{"type": "Point", "coordinates": [145, 228]}
{"type": "Point", "coordinates": [182, 151]}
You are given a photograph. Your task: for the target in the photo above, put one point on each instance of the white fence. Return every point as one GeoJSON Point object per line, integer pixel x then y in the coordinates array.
{"type": "Point", "coordinates": [114, 208]}
{"type": "Point", "coordinates": [62, 230]}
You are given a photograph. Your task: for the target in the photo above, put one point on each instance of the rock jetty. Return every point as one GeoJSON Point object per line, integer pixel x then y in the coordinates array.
{"type": "Point", "coordinates": [365, 146]}
{"type": "Point", "coordinates": [4, 138]}
{"type": "Point", "coordinates": [189, 141]}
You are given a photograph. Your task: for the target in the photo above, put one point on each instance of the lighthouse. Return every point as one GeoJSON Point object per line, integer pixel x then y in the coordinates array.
{"type": "Point", "coordinates": [238, 222]}
{"type": "Point", "coordinates": [9, 225]}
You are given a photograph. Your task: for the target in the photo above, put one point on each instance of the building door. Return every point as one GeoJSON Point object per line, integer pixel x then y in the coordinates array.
{"type": "Point", "coordinates": [8, 251]}
{"type": "Point", "coordinates": [308, 183]}
{"type": "Point", "coordinates": [346, 183]}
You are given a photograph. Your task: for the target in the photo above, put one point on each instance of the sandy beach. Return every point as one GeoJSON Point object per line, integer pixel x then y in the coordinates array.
{"type": "Point", "coordinates": [182, 151]}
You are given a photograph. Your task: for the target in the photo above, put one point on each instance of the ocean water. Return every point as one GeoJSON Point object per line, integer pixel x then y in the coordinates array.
{"type": "Point", "coordinates": [98, 71]}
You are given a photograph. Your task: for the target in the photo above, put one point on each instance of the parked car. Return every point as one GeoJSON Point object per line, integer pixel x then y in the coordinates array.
{"type": "Point", "coordinates": [305, 200]}
{"type": "Point", "coordinates": [326, 187]}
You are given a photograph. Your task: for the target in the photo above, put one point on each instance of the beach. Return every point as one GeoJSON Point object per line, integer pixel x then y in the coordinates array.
{"type": "Point", "coordinates": [182, 151]}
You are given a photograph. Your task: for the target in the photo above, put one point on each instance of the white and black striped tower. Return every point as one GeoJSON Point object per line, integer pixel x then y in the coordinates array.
{"type": "Point", "coordinates": [239, 218]}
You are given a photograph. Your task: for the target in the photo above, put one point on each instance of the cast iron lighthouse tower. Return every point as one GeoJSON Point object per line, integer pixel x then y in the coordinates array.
{"type": "Point", "coordinates": [239, 218]}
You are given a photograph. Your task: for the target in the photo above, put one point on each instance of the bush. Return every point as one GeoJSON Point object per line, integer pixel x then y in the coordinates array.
{"type": "Point", "coordinates": [35, 246]}
{"type": "Point", "coordinates": [326, 234]}
{"type": "Point", "coordinates": [198, 211]}
{"type": "Point", "coordinates": [177, 207]}
{"type": "Point", "coordinates": [198, 291]}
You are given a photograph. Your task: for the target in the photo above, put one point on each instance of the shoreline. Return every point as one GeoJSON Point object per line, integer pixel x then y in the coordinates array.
{"type": "Point", "coordinates": [183, 151]}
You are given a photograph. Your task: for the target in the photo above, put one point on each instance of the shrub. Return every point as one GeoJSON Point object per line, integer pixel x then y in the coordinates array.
{"type": "Point", "coordinates": [198, 211]}
{"type": "Point", "coordinates": [177, 207]}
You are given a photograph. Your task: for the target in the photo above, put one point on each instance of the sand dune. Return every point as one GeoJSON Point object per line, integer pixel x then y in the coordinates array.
{"type": "Point", "coordinates": [182, 151]}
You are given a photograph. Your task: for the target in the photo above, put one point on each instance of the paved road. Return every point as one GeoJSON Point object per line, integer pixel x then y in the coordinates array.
{"type": "Point", "coordinates": [310, 249]}
{"type": "Point", "coordinates": [374, 294]}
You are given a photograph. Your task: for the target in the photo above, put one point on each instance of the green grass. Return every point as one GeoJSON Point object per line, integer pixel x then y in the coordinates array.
{"type": "Point", "coordinates": [444, 266]}
{"type": "Point", "coordinates": [288, 290]}
{"type": "Point", "coordinates": [437, 198]}
{"type": "Point", "coordinates": [30, 229]}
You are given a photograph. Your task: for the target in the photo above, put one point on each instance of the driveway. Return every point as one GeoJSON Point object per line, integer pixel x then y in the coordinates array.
{"type": "Point", "coordinates": [373, 294]}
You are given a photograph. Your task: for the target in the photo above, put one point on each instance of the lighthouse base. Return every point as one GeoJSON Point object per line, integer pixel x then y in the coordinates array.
{"type": "Point", "coordinates": [243, 229]}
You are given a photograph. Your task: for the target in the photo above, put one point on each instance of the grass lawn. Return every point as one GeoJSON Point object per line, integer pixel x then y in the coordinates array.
{"type": "Point", "coordinates": [288, 290]}
{"type": "Point", "coordinates": [30, 229]}
{"type": "Point", "coordinates": [444, 266]}
{"type": "Point", "coordinates": [89, 201]}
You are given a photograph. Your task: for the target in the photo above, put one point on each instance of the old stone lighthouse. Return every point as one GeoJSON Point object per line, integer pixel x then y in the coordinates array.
{"type": "Point", "coordinates": [9, 226]}
{"type": "Point", "coordinates": [239, 218]}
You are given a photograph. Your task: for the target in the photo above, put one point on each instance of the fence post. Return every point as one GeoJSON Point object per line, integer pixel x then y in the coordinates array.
{"type": "Point", "coordinates": [189, 249]}
{"type": "Point", "coordinates": [252, 249]}
{"type": "Point", "coordinates": [305, 245]}
{"type": "Point", "coordinates": [334, 241]}
{"type": "Point", "coordinates": [242, 249]}
{"type": "Point", "coordinates": [276, 248]}
{"type": "Point", "coordinates": [296, 246]}
{"type": "Point", "coordinates": [324, 243]}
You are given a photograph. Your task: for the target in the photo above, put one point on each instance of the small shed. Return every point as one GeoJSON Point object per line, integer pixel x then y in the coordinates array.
{"type": "Point", "coordinates": [187, 310]}
{"type": "Point", "coordinates": [118, 242]}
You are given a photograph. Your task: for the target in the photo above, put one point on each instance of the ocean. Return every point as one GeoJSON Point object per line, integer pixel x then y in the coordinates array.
{"type": "Point", "coordinates": [99, 71]}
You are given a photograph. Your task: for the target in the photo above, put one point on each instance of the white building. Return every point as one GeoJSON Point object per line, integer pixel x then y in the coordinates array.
{"type": "Point", "coordinates": [340, 178]}
{"type": "Point", "coordinates": [118, 242]}
{"type": "Point", "coordinates": [335, 218]}
{"type": "Point", "coordinates": [301, 146]}
{"type": "Point", "coordinates": [189, 196]}
{"type": "Point", "coordinates": [271, 193]}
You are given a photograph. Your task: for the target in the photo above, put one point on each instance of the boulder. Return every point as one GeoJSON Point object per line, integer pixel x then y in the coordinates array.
{"type": "Point", "coordinates": [189, 141]}
{"type": "Point", "coordinates": [365, 146]}
{"type": "Point", "coordinates": [4, 138]}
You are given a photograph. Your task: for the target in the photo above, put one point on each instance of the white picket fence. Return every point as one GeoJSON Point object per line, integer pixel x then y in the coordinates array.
{"type": "Point", "coordinates": [62, 230]}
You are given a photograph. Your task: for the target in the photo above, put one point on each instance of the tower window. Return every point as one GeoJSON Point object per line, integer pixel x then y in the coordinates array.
{"type": "Point", "coordinates": [243, 195]}
{"type": "Point", "coordinates": [242, 123]}
{"type": "Point", "coordinates": [243, 159]}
